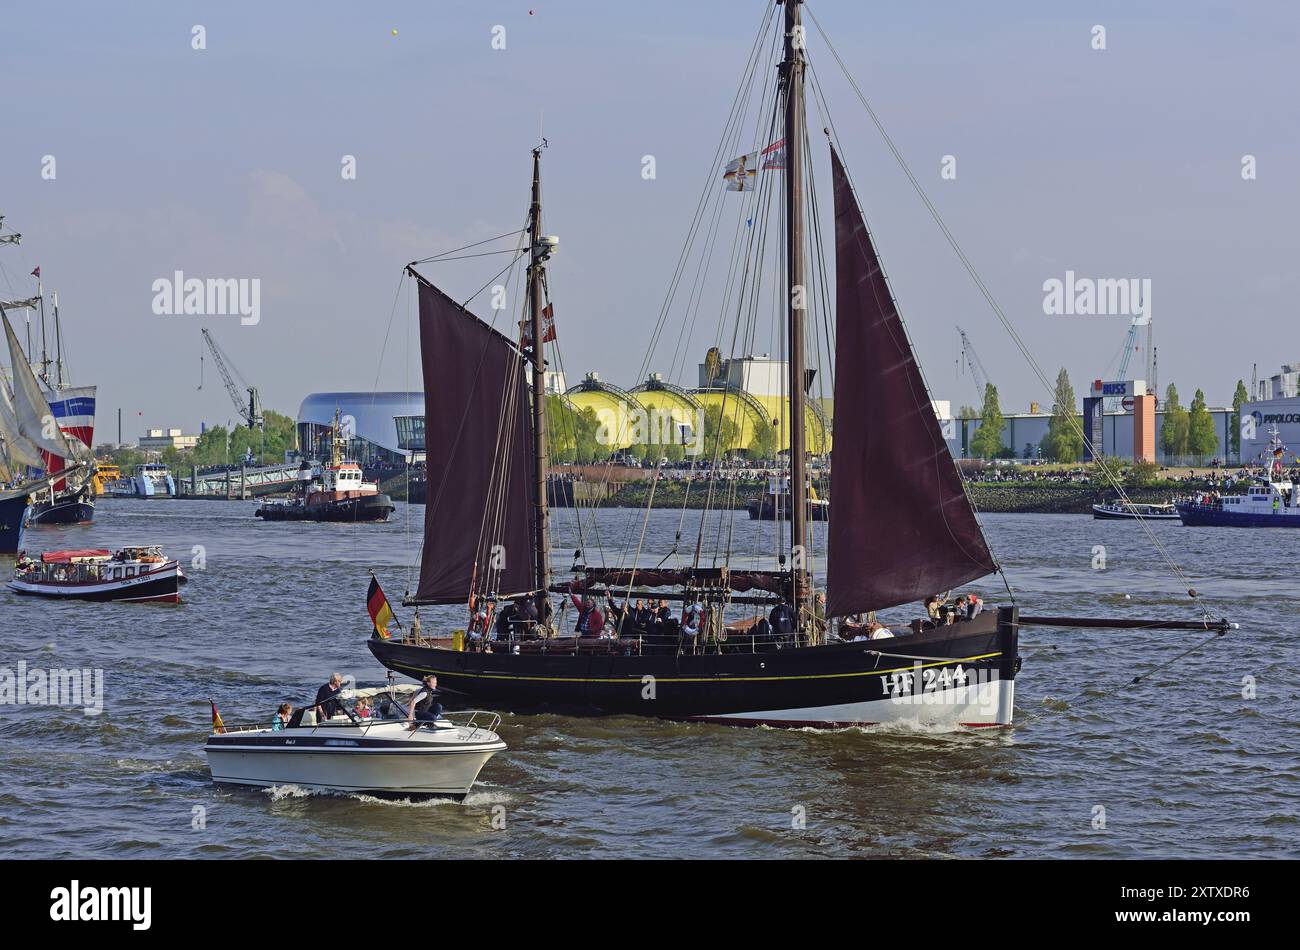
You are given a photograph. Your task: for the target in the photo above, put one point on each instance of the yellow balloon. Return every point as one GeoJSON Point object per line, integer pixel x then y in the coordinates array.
{"type": "Point", "coordinates": [394, 32]}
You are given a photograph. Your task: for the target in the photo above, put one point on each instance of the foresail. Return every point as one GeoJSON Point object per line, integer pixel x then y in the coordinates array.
{"type": "Point", "coordinates": [478, 519]}
{"type": "Point", "coordinates": [901, 526]}
{"type": "Point", "coordinates": [33, 417]}
{"type": "Point", "coordinates": [17, 448]}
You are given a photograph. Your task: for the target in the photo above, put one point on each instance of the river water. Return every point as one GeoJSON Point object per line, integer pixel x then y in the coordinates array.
{"type": "Point", "coordinates": [1197, 760]}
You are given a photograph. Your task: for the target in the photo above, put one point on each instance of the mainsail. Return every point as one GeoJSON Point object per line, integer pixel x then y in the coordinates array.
{"type": "Point", "coordinates": [479, 515]}
{"type": "Point", "coordinates": [33, 418]}
{"type": "Point", "coordinates": [902, 527]}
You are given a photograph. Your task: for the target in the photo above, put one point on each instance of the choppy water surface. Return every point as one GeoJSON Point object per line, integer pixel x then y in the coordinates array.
{"type": "Point", "coordinates": [1182, 764]}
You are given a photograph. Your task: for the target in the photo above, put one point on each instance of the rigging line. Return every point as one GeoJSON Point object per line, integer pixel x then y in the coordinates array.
{"type": "Point", "coordinates": [998, 311]}
{"type": "Point", "coordinates": [751, 64]}
{"type": "Point", "coordinates": [1087, 695]}
{"type": "Point", "coordinates": [383, 349]}
{"type": "Point", "coordinates": [457, 250]}
{"type": "Point", "coordinates": [494, 277]}
{"type": "Point", "coordinates": [465, 257]}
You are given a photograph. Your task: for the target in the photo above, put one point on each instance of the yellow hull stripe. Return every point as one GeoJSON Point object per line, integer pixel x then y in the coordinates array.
{"type": "Point", "coordinates": [703, 679]}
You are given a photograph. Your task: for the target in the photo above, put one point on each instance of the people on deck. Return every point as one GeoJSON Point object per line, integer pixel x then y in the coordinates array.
{"type": "Point", "coordinates": [362, 708]}
{"type": "Point", "coordinates": [591, 619]}
{"type": "Point", "coordinates": [327, 703]}
{"type": "Point", "coordinates": [878, 631]}
{"type": "Point", "coordinates": [664, 613]}
{"type": "Point", "coordinates": [282, 717]}
{"type": "Point", "coordinates": [424, 704]}
{"type": "Point", "coordinates": [781, 619]}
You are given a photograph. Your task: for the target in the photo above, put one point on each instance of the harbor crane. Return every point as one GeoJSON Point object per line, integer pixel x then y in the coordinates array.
{"type": "Point", "coordinates": [971, 360]}
{"type": "Point", "coordinates": [251, 413]}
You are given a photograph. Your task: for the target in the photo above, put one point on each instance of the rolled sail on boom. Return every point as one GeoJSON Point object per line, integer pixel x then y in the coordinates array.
{"type": "Point", "coordinates": [478, 520]}
{"type": "Point", "coordinates": [902, 527]}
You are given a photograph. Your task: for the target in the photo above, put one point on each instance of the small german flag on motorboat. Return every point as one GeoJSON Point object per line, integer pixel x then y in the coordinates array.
{"type": "Point", "coordinates": [218, 727]}
{"type": "Point", "coordinates": [381, 615]}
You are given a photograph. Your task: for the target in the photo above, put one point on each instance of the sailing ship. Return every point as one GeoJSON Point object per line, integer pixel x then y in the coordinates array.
{"type": "Point", "coordinates": [26, 444]}
{"type": "Point", "coordinates": [69, 498]}
{"type": "Point", "coordinates": [904, 529]}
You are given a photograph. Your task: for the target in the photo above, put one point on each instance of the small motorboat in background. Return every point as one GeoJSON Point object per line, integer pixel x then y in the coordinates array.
{"type": "Point", "coordinates": [1129, 511]}
{"type": "Point", "coordinates": [377, 754]}
{"type": "Point", "coordinates": [136, 574]}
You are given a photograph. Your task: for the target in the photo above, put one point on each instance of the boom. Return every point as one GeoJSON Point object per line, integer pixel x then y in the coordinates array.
{"type": "Point", "coordinates": [251, 413]}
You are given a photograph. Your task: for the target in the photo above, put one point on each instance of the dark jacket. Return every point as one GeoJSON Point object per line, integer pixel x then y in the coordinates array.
{"type": "Point", "coordinates": [328, 706]}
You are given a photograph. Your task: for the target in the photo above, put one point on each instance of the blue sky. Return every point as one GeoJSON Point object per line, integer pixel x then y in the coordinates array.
{"type": "Point", "coordinates": [225, 162]}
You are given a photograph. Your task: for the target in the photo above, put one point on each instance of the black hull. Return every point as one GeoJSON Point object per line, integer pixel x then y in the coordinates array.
{"type": "Point", "coordinates": [162, 590]}
{"type": "Point", "coordinates": [774, 687]}
{"type": "Point", "coordinates": [75, 507]}
{"type": "Point", "coordinates": [764, 509]}
{"type": "Point", "coordinates": [13, 518]}
{"type": "Point", "coordinates": [369, 508]}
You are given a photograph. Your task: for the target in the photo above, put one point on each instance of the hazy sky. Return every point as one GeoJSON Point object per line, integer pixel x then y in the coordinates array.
{"type": "Point", "coordinates": [225, 162]}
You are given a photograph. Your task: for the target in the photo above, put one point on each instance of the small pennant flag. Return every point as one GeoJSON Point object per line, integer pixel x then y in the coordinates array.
{"type": "Point", "coordinates": [37, 272]}
{"type": "Point", "coordinates": [773, 156]}
{"type": "Point", "coordinates": [218, 727]}
{"type": "Point", "coordinates": [381, 615]}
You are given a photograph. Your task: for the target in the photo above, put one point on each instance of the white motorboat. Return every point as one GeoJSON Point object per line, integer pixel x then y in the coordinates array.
{"type": "Point", "coordinates": [379, 755]}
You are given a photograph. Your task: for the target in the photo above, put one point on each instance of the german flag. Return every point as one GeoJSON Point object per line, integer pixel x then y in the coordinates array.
{"type": "Point", "coordinates": [218, 727]}
{"type": "Point", "coordinates": [381, 615]}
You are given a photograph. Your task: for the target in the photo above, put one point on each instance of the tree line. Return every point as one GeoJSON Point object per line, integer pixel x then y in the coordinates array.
{"type": "Point", "coordinates": [1186, 432]}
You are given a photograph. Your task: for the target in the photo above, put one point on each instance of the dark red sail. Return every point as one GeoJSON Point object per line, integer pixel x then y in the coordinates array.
{"type": "Point", "coordinates": [478, 516]}
{"type": "Point", "coordinates": [901, 526]}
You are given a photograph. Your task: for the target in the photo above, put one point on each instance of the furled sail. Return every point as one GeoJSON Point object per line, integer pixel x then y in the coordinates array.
{"type": "Point", "coordinates": [479, 514]}
{"type": "Point", "coordinates": [32, 414]}
{"type": "Point", "coordinates": [901, 526]}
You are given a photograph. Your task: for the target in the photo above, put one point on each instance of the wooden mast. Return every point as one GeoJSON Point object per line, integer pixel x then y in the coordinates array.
{"type": "Point", "coordinates": [536, 265]}
{"type": "Point", "coordinates": [792, 77]}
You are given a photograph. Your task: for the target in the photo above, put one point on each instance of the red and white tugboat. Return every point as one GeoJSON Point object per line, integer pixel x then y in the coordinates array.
{"type": "Point", "coordinates": [133, 574]}
{"type": "Point", "coordinates": [341, 494]}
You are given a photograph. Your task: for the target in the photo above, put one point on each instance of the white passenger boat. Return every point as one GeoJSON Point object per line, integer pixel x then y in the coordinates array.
{"type": "Point", "coordinates": [1128, 510]}
{"type": "Point", "coordinates": [381, 755]}
{"type": "Point", "coordinates": [136, 574]}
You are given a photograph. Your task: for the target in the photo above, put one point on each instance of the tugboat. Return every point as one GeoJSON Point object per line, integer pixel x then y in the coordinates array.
{"type": "Point", "coordinates": [774, 505]}
{"type": "Point", "coordinates": [342, 494]}
{"type": "Point", "coordinates": [1273, 502]}
{"type": "Point", "coordinates": [140, 574]}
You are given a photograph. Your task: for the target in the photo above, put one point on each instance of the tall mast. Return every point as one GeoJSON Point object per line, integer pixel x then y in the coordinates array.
{"type": "Point", "coordinates": [58, 344]}
{"type": "Point", "coordinates": [45, 353]}
{"type": "Point", "coordinates": [536, 266]}
{"type": "Point", "coordinates": [792, 76]}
